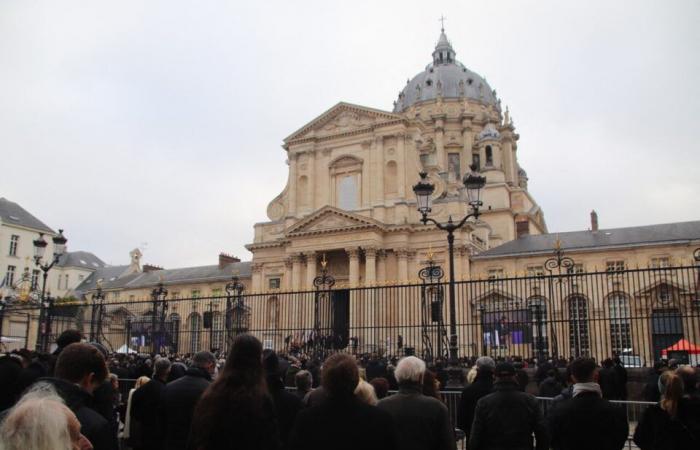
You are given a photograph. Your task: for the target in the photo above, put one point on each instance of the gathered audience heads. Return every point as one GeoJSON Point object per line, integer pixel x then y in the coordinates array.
{"type": "Point", "coordinates": [381, 387]}
{"type": "Point", "coordinates": [161, 370]}
{"type": "Point", "coordinates": [365, 392]}
{"type": "Point", "coordinates": [68, 337]}
{"type": "Point", "coordinates": [485, 364]}
{"type": "Point", "coordinates": [204, 360]}
{"type": "Point", "coordinates": [583, 370]}
{"type": "Point", "coordinates": [340, 375]}
{"type": "Point", "coordinates": [244, 363]}
{"type": "Point", "coordinates": [82, 364]}
{"type": "Point", "coordinates": [689, 375]}
{"type": "Point", "coordinates": [303, 380]}
{"type": "Point", "coordinates": [410, 370]}
{"type": "Point", "coordinates": [40, 421]}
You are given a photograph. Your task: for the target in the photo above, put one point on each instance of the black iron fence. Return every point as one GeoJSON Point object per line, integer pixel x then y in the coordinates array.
{"type": "Point", "coordinates": [639, 315]}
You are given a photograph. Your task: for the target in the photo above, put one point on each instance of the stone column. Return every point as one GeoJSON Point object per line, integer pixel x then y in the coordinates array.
{"type": "Point", "coordinates": [370, 266]}
{"type": "Point", "coordinates": [257, 277]}
{"type": "Point", "coordinates": [296, 272]}
{"type": "Point", "coordinates": [354, 266]}
{"type": "Point", "coordinates": [412, 266]}
{"type": "Point", "coordinates": [508, 158]}
{"type": "Point", "coordinates": [381, 265]}
{"type": "Point", "coordinates": [310, 269]}
{"type": "Point", "coordinates": [466, 159]}
{"type": "Point", "coordinates": [288, 274]}
{"type": "Point", "coordinates": [311, 162]}
{"type": "Point", "coordinates": [292, 158]}
{"type": "Point", "coordinates": [401, 164]}
{"type": "Point", "coordinates": [402, 257]}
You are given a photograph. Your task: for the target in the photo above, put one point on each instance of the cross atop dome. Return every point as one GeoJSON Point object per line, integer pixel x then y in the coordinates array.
{"type": "Point", "coordinates": [443, 53]}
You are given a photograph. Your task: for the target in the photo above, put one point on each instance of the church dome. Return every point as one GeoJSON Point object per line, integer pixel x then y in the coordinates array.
{"type": "Point", "coordinates": [447, 78]}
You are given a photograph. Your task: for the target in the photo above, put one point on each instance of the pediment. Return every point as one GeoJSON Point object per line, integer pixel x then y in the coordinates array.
{"type": "Point", "coordinates": [330, 220]}
{"type": "Point", "coordinates": [343, 118]}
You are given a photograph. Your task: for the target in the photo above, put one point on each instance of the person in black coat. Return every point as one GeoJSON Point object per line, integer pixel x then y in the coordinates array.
{"type": "Point", "coordinates": [674, 422]}
{"type": "Point", "coordinates": [587, 421]}
{"type": "Point", "coordinates": [178, 400]}
{"type": "Point", "coordinates": [481, 387]}
{"type": "Point", "coordinates": [342, 422]}
{"type": "Point", "coordinates": [287, 405]}
{"type": "Point", "coordinates": [145, 427]}
{"type": "Point", "coordinates": [508, 418]}
{"type": "Point", "coordinates": [79, 370]}
{"type": "Point", "coordinates": [236, 411]}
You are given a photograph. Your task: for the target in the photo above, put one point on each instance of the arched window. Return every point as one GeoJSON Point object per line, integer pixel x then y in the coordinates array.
{"type": "Point", "coordinates": [195, 325]}
{"type": "Point", "coordinates": [303, 191]}
{"type": "Point", "coordinates": [390, 183]}
{"type": "Point", "coordinates": [578, 326]}
{"type": "Point", "coordinates": [489, 156]}
{"type": "Point", "coordinates": [218, 335]}
{"type": "Point", "coordinates": [620, 334]}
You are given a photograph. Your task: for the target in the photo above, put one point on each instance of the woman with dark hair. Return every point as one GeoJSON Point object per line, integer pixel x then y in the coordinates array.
{"type": "Point", "coordinates": [236, 410]}
{"type": "Point", "coordinates": [431, 385]}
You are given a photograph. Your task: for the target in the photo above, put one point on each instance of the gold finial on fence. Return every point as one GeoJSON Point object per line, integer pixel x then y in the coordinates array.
{"type": "Point", "coordinates": [324, 262]}
{"type": "Point", "coordinates": [430, 253]}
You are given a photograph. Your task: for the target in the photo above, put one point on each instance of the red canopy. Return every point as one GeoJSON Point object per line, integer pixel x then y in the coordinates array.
{"type": "Point", "coordinates": [682, 345]}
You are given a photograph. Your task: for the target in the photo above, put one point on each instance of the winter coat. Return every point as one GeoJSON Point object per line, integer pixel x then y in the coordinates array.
{"type": "Point", "coordinates": [287, 405]}
{"type": "Point", "coordinates": [550, 387]}
{"type": "Point", "coordinates": [507, 419]}
{"type": "Point", "coordinates": [421, 422]}
{"type": "Point", "coordinates": [656, 430]}
{"type": "Point", "coordinates": [177, 402]}
{"type": "Point", "coordinates": [588, 422]}
{"type": "Point", "coordinates": [481, 387]}
{"type": "Point", "coordinates": [146, 428]}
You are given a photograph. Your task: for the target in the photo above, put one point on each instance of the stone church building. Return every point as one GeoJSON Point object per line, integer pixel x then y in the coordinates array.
{"type": "Point", "coordinates": [351, 170]}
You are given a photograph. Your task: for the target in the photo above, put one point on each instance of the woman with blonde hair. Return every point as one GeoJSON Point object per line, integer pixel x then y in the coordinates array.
{"type": "Point", "coordinates": [673, 422]}
{"type": "Point", "coordinates": [40, 421]}
{"type": "Point", "coordinates": [365, 392]}
{"type": "Point", "coordinates": [140, 381]}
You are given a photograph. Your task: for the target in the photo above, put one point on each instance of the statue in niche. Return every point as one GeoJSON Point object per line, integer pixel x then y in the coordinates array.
{"type": "Point", "coordinates": [461, 88]}
{"type": "Point", "coordinates": [453, 169]}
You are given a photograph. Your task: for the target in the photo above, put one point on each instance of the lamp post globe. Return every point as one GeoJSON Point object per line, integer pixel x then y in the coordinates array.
{"type": "Point", "coordinates": [474, 183]}
{"type": "Point", "coordinates": [424, 194]}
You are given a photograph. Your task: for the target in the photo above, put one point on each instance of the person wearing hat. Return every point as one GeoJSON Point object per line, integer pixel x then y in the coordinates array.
{"type": "Point", "coordinates": [481, 387]}
{"type": "Point", "coordinates": [508, 418]}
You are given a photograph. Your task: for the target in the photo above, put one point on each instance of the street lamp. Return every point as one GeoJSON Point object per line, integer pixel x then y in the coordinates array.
{"type": "Point", "coordinates": [158, 295]}
{"type": "Point", "coordinates": [97, 305]}
{"type": "Point", "coordinates": [59, 247]}
{"type": "Point", "coordinates": [473, 183]}
{"type": "Point", "coordinates": [237, 288]}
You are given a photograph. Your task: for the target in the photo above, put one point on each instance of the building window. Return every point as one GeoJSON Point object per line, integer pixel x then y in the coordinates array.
{"type": "Point", "coordinates": [274, 283]}
{"type": "Point", "coordinates": [535, 271]}
{"type": "Point", "coordinates": [476, 161]}
{"type": "Point", "coordinates": [35, 279]}
{"type": "Point", "coordinates": [10, 276]}
{"type": "Point", "coordinates": [346, 182]}
{"type": "Point", "coordinates": [218, 335]}
{"type": "Point", "coordinates": [489, 156]}
{"type": "Point", "coordinates": [195, 332]}
{"type": "Point", "coordinates": [495, 274]}
{"type": "Point", "coordinates": [14, 242]}
{"type": "Point", "coordinates": [522, 228]}
{"type": "Point", "coordinates": [216, 292]}
{"type": "Point", "coordinates": [575, 269]}
{"type": "Point", "coordinates": [660, 263]}
{"type": "Point", "coordinates": [196, 293]}
{"type": "Point", "coordinates": [65, 282]}
{"type": "Point", "coordinates": [347, 193]}
{"type": "Point", "coordinates": [578, 326]}
{"type": "Point", "coordinates": [615, 266]}
{"type": "Point", "coordinates": [115, 295]}
{"type": "Point", "coordinates": [620, 335]}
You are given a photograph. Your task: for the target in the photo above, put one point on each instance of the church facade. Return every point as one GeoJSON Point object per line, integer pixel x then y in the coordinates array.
{"type": "Point", "coordinates": [349, 193]}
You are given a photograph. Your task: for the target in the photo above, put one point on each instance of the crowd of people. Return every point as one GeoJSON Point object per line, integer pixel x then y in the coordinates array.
{"type": "Point", "coordinates": [71, 400]}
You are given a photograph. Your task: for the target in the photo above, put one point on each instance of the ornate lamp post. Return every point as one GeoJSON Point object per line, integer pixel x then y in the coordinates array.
{"type": "Point", "coordinates": [158, 295]}
{"type": "Point", "coordinates": [474, 183]}
{"type": "Point", "coordinates": [96, 317]}
{"type": "Point", "coordinates": [433, 292]}
{"type": "Point", "coordinates": [323, 284]}
{"type": "Point", "coordinates": [59, 247]}
{"type": "Point", "coordinates": [558, 262]}
{"type": "Point", "coordinates": [237, 288]}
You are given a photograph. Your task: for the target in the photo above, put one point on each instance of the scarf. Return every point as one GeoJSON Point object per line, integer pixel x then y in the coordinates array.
{"type": "Point", "coordinates": [580, 388]}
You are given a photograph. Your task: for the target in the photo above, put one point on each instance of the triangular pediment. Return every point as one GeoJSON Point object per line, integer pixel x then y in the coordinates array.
{"type": "Point", "coordinates": [343, 118]}
{"type": "Point", "coordinates": [330, 220]}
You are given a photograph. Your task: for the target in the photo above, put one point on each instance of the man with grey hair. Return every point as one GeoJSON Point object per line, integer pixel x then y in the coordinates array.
{"type": "Point", "coordinates": [420, 421]}
{"type": "Point", "coordinates": [179, 398]}
{"type": "Point", "coordinates": [481, 387]}
{"type": "Point", "coordinates": [144, 407]}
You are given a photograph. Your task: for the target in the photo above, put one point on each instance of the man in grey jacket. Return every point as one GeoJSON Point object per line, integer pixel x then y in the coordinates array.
{"type": "Point", "coordinates": [421, 422]}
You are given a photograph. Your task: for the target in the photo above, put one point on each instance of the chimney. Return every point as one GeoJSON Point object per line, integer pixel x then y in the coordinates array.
{"type": "Point", "coordinates": [151, 268]}
{"type": "Point", "coordinates": [594, 221]}
{"type": "Point", "coordinates": [225, 259]}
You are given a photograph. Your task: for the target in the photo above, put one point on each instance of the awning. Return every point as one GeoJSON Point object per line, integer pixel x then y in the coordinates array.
{"type": "Point", "coordinates": [682, 346]}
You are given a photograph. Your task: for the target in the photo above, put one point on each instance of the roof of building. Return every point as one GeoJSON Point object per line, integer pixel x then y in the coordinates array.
{"type": "Point", "coordinates": [114, 278]}
{"type": "Point", "coordinates": [447, 78]}
{"type": "Point", "coordinates": [13, 214]}
{"type": "Point", "coordinates": [81, 259]}
{"type": "Point", "coordinates": [668, 233]}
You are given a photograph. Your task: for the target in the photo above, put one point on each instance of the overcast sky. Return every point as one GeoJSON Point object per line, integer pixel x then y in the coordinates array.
{"type": "Point", "coordinates": [158, 124]}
